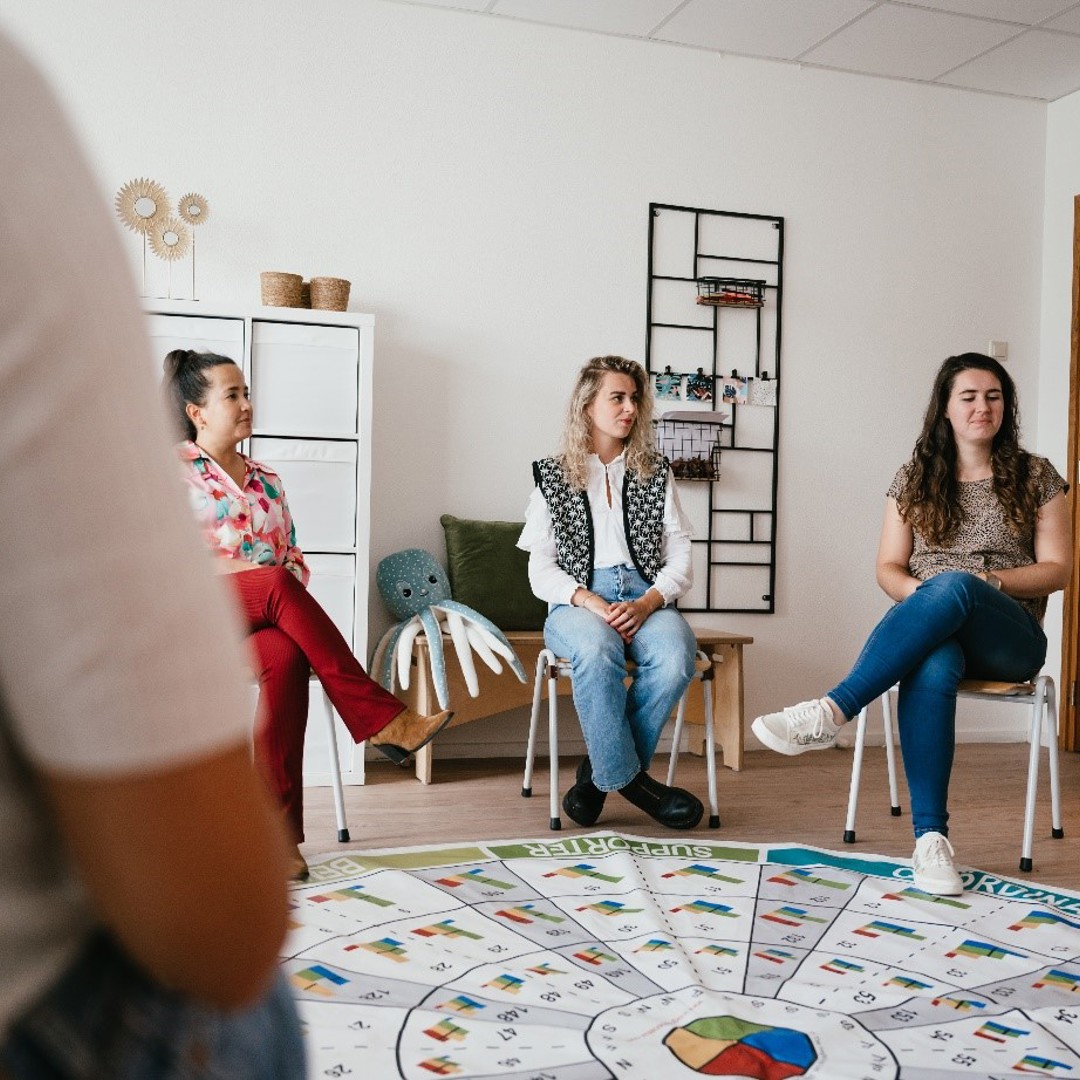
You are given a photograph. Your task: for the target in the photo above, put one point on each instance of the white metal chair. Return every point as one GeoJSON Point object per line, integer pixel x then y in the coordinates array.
{"type": "Point", "coordinates": [1040, 695]}
{"type": "Point", "coordinates": [549, 668]}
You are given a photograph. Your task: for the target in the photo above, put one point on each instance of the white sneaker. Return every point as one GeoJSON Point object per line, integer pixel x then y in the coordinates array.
{"type": "Point", "coordinates": [806, 726]}
{"type": "Point", "coordinates": [933, 866]}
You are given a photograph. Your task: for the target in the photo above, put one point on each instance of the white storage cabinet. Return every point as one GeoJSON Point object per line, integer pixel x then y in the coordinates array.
{"type": "Point", "coordinates": [310, 374]}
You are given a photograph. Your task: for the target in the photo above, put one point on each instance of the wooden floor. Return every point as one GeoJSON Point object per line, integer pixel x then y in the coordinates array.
{"type": "Point", "coordinates": [802, 800]}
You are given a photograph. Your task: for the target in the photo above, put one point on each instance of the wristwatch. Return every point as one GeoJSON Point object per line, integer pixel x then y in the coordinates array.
{"type": "Point", "coordinates": [993, 579]}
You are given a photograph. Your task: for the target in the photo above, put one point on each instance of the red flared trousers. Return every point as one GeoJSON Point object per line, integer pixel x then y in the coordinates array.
{"type": "Point", "coordinates": [292, 636]}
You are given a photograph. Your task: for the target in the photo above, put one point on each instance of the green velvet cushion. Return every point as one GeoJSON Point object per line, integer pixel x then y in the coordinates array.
{"type": "Point", "coordinates": [490, 574]}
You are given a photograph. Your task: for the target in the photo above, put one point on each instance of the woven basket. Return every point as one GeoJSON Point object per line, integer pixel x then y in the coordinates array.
{"type": "Point", "coordinates": [280, 290]}
{"type": "Point", "coordinates": [330, 293]}
{"type": "Point", "coordinates": [305, 294]}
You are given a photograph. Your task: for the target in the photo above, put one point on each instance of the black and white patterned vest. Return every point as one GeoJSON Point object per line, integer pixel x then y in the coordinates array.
{"type": "Point", "coordinates": [575, 542]}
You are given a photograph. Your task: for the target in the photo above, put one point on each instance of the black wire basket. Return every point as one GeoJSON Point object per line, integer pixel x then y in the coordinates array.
{"type": "Point", "coordinates": [730, 292]}
{"type": "Point", "coordinates": [691, 443]}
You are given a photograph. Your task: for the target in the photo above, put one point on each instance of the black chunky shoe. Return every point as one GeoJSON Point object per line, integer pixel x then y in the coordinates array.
{"type": "Point", "coordinates": [670, 806]}
{"type": "Point", "coordinates": [584, 801]}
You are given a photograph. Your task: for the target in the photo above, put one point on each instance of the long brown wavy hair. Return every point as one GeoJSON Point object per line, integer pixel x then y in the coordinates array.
{"type": "Point", "coordinates": [641, 455]}
{"type": "Point", "coordinates": [930, 501]}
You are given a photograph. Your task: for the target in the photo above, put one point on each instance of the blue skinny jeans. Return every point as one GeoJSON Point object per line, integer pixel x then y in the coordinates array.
{"type": "Point", "coordinates": [953, 626]}
{"type": "Point", "coordinates": [622, 726]}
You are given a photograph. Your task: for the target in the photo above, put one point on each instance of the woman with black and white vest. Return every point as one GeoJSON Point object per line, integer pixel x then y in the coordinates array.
{"type": "Point", "coordinates": [609, 550]}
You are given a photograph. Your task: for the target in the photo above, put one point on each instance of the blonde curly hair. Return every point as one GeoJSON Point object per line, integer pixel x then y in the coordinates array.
{"type": "Point", "coordinates": [641, 455]}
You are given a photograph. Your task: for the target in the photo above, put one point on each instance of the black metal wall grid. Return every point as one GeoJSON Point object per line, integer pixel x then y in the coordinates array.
{"type": "Point", "coordinates": [712, 346]}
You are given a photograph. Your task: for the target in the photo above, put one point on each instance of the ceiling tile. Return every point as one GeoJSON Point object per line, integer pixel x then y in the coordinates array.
{"type": "Point", "coordinates": [1069, 21]}
{"type": "Point", "coordinates": [773, 28]}
{"type": "Point", "coordinates": [908, 42]}
{"type": "Point", "coordinates": [1037, 64]}
{"type": "Point", "coordinates": [1028, 12]}
{"type": "Point", "coordinates": [635, 17]}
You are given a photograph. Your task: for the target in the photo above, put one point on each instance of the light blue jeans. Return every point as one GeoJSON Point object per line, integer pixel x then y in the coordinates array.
{"type": "Point", "coordinates": [622, 726]}
{"type": "Point", "coordinates": [953, 626]}
{"type": "Point", "coordinates": [106, 1019]}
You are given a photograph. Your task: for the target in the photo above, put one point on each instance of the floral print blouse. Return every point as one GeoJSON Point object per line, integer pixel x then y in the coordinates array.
{"type": "Point", "coordinates": [253, 524]}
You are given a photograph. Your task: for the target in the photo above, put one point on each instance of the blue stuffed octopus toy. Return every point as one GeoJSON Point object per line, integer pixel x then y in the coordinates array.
{"type": "Point", "coordinates": [415, 589]}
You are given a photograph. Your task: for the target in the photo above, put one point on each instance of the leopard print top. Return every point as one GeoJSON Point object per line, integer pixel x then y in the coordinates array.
{"type": "Point", "coordinates": [984, 541]}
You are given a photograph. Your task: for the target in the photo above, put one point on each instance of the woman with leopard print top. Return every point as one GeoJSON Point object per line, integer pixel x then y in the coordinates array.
{"type": "Point", "coordinates": [975, 537]}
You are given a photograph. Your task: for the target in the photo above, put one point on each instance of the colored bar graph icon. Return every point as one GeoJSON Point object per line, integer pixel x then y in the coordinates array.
{"type": "Point", "coordinates": [446, 928]}
{"type": "Point", "coordinates": [387, 947]}
{"type": "Point", "coordinates": [982, 949]}
{"type": "Point", "coordinates": [959, 1004]}
{"type": "Point", "coordinates": [788, 915]}
{"type": "Point", "coordinates": [717, 950]}
{"type": "Point", "coordinates": [583, 870]}
{"type": "Point", "coordinates": [841, 967]}
{"type": "Point", "coordinates": [527, 913]}
{"type": "Point", "coordinates": [546, 969]}
{"type": "Point", "coordinates": [1062, 980]}
{"type": "Point", "coordinates": [593, 955]}
{"type": "Point", "coordinates": [655, 945]}
{"type": "Point", "coordinates": [1032, 1063]}
{"type": "Point", "coordinates": [1035, 919]}
{"type": "Point", "coordinates": [775, 956]}
{"type": "Point", "coordinates": [707, 907]}
{"type": "Point", "coordinates": [800, 876]}
{"type": "Point", "coordinates": [907, 983]}
{"type": "Point", "coordinates": [317, 980]}
{"type": "Point", "coordinates": [441, 1066]}
{"type": "Point", "coordinates": [473, 877]}
{"type": "Point", "coordinates": [999, 1033]}
{"type": "Point", "coordinates": [447, 1031]}
{"type": "Point", "coordinates": [354, 892]}
{"type": "Point", "coordinates": [911, 893]}
{"type": "Point", "coordinates": [462, 1004]}
{"type": "Point", "coordinates": [610, 907]}
{"type": "Point", "coordinates": [879, 926]}
{"type": "Point", "coordinates": [510, 983]}
{"type": "Point", "coordinates": [700, 870]}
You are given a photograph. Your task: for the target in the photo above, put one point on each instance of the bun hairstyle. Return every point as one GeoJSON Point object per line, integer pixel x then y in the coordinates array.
{"type": "Point", "coordinates": [186, 383]}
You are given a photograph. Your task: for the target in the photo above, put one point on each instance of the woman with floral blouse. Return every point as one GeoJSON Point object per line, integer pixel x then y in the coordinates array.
{"type": "Point", "coordinates": [246, 523]}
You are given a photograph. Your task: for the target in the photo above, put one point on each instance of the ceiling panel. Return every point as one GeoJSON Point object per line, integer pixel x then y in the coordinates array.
{"type": "Point", "coordinates": [909, 42]}
{"type": "Point", "coordinates": [1038, 64]}
{"type": "Point", "coordinates": [1069, 21]}
{"type": "Point", "coordinates": [774, 28]}
{"type": "Point", "coordinates": [636, 17]}
{"type": "Point", "coordinates": [1028, 12]}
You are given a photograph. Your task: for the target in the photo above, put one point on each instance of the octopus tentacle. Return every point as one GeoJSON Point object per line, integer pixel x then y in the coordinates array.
{"type": "Point", "coordinates": [438, 660]}
{"type": "Point", "coordinates": [456, 625]}
{"type": "Point", "coordinates": [404, 652]}
{"type": "Point", "coordinates": [382, 663]}
{"type": "Point", "coordinates": [495, 639]}
{"type": "Point", "coordinates": [483, 650]}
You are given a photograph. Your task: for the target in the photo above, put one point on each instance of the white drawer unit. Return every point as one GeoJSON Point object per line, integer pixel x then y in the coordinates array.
{"type": "Point", "coordinates": [310, 374]}
{"type": "Point", "coordinates": [319, 476]}
{"type": "Point", "coordinates": [303, 378]}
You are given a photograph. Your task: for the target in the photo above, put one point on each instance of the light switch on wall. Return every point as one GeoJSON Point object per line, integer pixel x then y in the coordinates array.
{"type": "Point", "coordinates": [999, 350]}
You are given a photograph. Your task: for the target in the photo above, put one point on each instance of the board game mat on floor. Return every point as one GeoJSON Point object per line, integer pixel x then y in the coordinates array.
{"type": "Point", "coordinates": [609, 955]}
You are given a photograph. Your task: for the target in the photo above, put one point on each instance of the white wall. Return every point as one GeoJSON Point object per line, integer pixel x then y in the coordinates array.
{"type": "Point", "coordinates": [485, 185]}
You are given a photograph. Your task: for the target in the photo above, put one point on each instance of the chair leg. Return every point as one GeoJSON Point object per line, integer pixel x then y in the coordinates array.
{"type": "Point", "coordinates": [710, 750]}
{"type": "Point", "coordinates": [542, 662]}
{"type": "Point", "coordinates": [554, 821]}
{"type": "Point", "coordinates": [890, 752]}
{"type": "Point", "coordinates": [676, 738]}
{"type": "Point", "coordinates": [1034, 745]}
{"type": "Point", "coordinates": [1056, 830]}
{"type": "Point", "coordinates": [856, 776]}
{"type": "Point", "coordinates": [335, 774]}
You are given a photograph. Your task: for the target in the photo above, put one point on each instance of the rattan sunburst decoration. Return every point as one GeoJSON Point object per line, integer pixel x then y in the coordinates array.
{"type": "Point", "coordinates": [140, 203]}
{"type": "Point", "coordinates": [193, 210]}
{"type": "Point", "coordinates": [169, 239]}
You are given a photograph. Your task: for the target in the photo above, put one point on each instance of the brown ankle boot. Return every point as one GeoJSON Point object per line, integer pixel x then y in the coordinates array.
{"type": "Point", "coordinates": [298, 867]}
{"type": "Point", "coordinates": [407, 733]}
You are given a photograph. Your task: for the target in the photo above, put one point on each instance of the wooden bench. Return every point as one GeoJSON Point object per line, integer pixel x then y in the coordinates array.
{"type": "Point", "coordinates": [501, 692]}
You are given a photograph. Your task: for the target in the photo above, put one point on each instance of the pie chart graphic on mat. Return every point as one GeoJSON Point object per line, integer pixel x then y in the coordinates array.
{"type": "Point", "coordinates": [730, 1046]}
